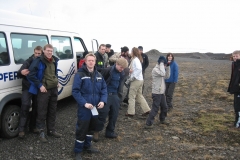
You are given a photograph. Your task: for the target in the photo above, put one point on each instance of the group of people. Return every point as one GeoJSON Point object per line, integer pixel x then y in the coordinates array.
{"type": "Point", "coordinates": [98, 90]}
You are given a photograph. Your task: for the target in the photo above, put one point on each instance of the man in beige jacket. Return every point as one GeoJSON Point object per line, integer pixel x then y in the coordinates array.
{"type": "Point", "coordinates": [159, 73]}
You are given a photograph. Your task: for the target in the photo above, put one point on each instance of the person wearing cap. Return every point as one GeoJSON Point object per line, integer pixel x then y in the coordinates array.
{"type": "Point", "coordinates": [113, 76]}
{"type": "Point", "coordinates": [159, 73]}
{"type": "Point", "coordinates": [109, 52]}
{"type": "Point", "coordinates": [145, 62]}
{"type": "Point", "coordinates": [124, 53]}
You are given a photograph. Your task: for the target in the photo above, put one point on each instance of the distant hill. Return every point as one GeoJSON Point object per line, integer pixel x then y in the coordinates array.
{"type": "Point", "coordinates": [196, 55]}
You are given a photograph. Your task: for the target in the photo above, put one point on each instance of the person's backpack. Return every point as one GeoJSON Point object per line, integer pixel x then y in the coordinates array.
{"type": "Point", "coordinates": [81, 63]}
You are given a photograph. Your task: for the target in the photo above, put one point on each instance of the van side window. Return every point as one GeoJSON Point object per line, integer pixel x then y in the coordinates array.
{"type": "Point", "coordinates": [24, 44]}
{"type": "Point", "coordinates": [62, 47]}
{"type": "Point", "coordinates": [4, 54]}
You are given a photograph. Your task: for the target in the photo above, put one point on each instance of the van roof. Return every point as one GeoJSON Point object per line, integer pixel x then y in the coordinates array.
{"type": "Point", "coordinates": [29, 21]}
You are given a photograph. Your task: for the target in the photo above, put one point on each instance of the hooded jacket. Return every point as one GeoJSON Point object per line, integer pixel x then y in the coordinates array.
{"type": "Point", "coordinates": [235, 78]}
{"type": "Point", "coordinates": [158, 75]}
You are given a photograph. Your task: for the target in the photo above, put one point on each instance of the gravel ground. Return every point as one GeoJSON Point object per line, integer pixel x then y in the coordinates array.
{"type": "Point", "coordinates": [183, 138]}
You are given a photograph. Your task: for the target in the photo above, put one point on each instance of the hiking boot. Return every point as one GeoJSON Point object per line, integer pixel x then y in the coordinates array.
{"type": "Point", "coordinates": [129, 115]}
{"type": "Point", "coordinates": [42, 137]}
{"type": "Point", "coordinates": [95, 136]}
{"type": "Point", "coordinates": [90, 149]}
{"type": "Point", "coordinates": [112, 135]}
{"type": "Point", "coordinates": [54, 134]}
{"type": "Point", "coordinates": [146, 114]}
{"type": "Point", "coordinates": [78, 156]}
{"type": "Point", "coordinates": [148, 126]}
{"type": "Point", "coordinates": [21, 135]}
{"type": "Point", "coordinates": [35, 131]}
{"type": "Point", "coordinates": [170, 109]}
{"type": "Point", "coordinates": [164, 122]}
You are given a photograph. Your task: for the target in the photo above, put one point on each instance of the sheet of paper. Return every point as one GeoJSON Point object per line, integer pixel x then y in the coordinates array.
{"type": "Point", "coordinates": [94, 111]}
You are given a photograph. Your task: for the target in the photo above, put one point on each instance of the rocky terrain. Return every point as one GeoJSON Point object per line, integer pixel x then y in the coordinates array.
{"type": "Point", "coordinates": [201, 123]}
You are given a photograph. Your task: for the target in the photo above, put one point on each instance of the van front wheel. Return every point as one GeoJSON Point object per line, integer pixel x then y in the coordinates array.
{"type": "Point", "coordinates": [10, 121]}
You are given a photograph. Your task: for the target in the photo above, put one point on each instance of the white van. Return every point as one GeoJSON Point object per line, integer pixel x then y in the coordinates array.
{"type": "Point", "coordinates": [18, 38]}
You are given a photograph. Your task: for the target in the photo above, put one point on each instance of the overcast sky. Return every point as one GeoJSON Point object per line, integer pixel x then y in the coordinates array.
{"type": "Point", "coordinates": [165, 25]}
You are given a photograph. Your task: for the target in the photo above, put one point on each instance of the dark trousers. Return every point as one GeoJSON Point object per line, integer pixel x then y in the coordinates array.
{"type": "Point", "coordinates": [237, 107]}
{"type": "Point", "coordinates": [111, 110]}
{"type": "Point", "coordinates": [159, 101]}
{"type": "Point", "coordinates": [47, 105]}
{"type": "Point", "coordinates": [169, 93]}
{"type": "Point", "coordinates": [85, 128]}
{"type": "Point", "coordinates": [24, 113]}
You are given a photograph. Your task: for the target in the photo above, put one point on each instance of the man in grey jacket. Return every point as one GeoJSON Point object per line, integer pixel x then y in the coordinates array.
{"type": "Point", "coordinates": [159, 73]}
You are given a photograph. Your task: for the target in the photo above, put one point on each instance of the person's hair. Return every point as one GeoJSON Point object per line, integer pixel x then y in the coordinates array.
{"type": "Point", "coordinates": [124, 49]}
{"type": "Point", "coordinates": [236, 52]}
{"type": "Point", "coordinates": [38, 48]}
{"type": "Point", "coordinates": [102, 45]}
{"type": "Point", "coordinates": [108, 45]}
{"type": "Point", "coordinates": [90, 54]}
{"type": "Point", "coordinates": [122, 62]}
{"type": "Point", "coordinates": [47, 46]}
{"type": "Point", "coordinates": [136, 53]}
{"type": "Point", "coordinates": [169, 55]}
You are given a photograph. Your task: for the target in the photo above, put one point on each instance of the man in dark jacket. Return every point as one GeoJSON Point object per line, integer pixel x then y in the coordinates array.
{"type": "Point", "coordinates": [90, 91]}
{"type": "Point", "coordinates": [113, 76]}
{"type": "Point", "coordinates": [109, 52]}
{"type": "Point", "coordinates": [27, 97]}
{"type": "Point", "coordinates": [234, 86]}
{"type": "Point", "coordinates": [44, 82]}
{"type": "Point", "coordinates": [145, 62]}
{"type": "Point", "coordinates": [102, 58]}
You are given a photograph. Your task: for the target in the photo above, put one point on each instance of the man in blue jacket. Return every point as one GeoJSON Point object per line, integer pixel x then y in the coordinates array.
{"type": "Point", "coordinates": [90, 91]}
{"type": "Point", "coordinates": [44, 82]}
{"type": "Point", "coordinates": [113, 76]}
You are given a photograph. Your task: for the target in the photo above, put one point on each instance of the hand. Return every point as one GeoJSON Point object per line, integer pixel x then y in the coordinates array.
{"type": "Point", "coordinates": [43, 89]}
{"type": "Point", "coordinates": [88, 106]}
{"type": "Point", "coordinates": [25, 72]}
{"type": "Point", "coordinates": [100, 105]}
{"type": "Point", "coordinates": [130, 71]}
{"type": "Point", "coordinates": [58, 84]}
